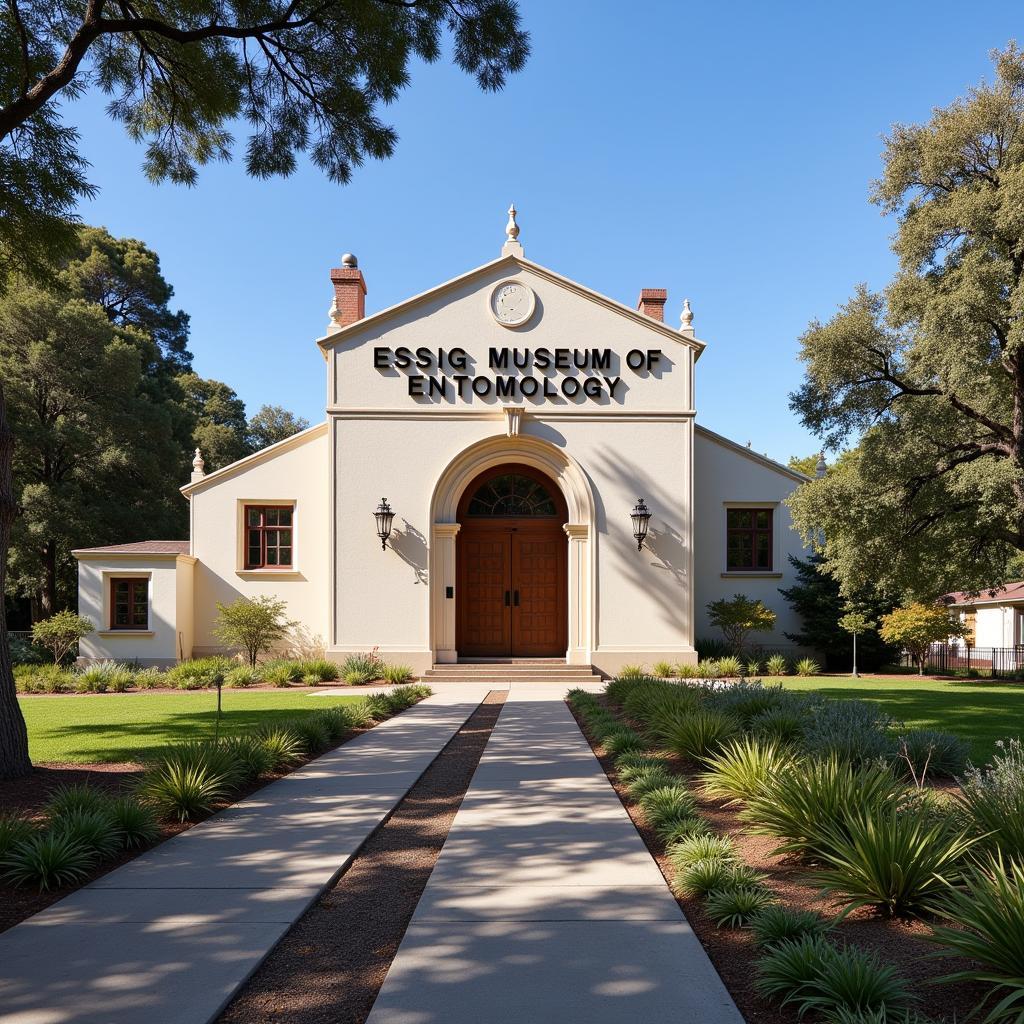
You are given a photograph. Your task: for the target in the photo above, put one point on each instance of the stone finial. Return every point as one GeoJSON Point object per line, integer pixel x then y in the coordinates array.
{"type": "Point", "coordinates": [349, 260]}
{"type": "Point", "coordinates": [821, 468]}
{"type": "Point", "coordinates": [686, 319]}
{"type": "Point", "coordinates": [198, 467]}
{"type": "Point", "coordinates": [512, 246]}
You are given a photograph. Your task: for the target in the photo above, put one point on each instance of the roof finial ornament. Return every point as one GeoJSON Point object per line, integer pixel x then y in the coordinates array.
{"type": "Point", "coordinates": [686, 319]}
{"type": "Point", "coordinates": [512, 246]}
{"type": "Point", "coordinates": [821, 468]}
{"type": "Point", "coordinates": [198, 467]}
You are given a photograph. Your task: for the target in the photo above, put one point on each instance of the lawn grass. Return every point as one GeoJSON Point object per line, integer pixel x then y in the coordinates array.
{"type": "Point", "coordinates": [122, 727]}
{"type": "Point", "coordinates": [981, 712]}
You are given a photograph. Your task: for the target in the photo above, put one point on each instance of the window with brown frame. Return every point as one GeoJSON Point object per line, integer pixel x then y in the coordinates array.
{"type": "Point", "coordinates": [748, 540]}
{"type": "Point", "coordinates": [268, 536]}
{"type": "Point", "coordinates": [129, 603]}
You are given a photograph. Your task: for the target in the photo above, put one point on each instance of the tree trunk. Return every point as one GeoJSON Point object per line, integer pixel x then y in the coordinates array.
{"type": "Point", "coordinates": [49, 596]}
{"type": "Point", "coordinates": [14, 760]}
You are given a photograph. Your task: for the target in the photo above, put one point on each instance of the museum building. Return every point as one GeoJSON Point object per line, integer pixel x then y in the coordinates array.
{"type": "Point", "coordinates": [509, 467]}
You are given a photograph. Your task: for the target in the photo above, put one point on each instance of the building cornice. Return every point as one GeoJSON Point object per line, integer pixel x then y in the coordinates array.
{"type": "Point", "coordinates": [84, 555]}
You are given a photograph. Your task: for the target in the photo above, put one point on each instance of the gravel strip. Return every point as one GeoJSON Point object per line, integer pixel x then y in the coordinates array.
{"type": "Point", "coordinates": [332, 963]}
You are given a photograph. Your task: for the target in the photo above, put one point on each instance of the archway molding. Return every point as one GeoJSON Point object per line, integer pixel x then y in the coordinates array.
{"type": "Point", "coordinates": [580, 529]}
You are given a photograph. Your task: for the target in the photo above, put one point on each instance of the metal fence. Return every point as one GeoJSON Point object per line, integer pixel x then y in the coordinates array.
{"type": "Point", "coordinates": [959, 659]}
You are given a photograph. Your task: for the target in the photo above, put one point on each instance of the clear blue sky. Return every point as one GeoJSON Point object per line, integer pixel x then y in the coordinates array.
{"type": "Point", "coordinates": [722, 151]}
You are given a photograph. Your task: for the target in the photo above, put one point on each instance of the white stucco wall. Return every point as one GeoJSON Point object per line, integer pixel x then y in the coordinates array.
{"type": "Point", "coordinates": [157, 645]}
{"type": "Point", "coordinates": [994, 626]}
{"type": "Point", "coordinates": [293, 472]}
{"type": "Point", "coordinates": [725, 475]}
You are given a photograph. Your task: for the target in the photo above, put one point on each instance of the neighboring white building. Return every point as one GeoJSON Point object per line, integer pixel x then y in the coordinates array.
{"type": "Point", "coordinates": [994, 618]}
{"type": "Point", "coordinates": [511, 417]}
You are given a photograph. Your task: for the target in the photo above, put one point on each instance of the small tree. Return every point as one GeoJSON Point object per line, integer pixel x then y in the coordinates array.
{"type": "Point", "coordinates": [59, 633]}
{"type": "Point", "coordinates": [916, 626]}
{"type": "Point", "coordinates": [740, 616]}
{"type": "Point", "coordinates": [855, 623]}
{"type": "Point", "coordinates": [252, 626]}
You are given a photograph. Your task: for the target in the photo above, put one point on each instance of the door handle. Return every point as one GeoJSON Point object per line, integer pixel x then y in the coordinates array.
{"type": "Point", "coordinates": [515, 598]}
{"type": "Point", "coordinates": [506, 598]}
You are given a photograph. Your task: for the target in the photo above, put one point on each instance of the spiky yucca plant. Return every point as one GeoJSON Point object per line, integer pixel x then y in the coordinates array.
{"type": "Point", "coordinates": [48, 860]}
{"type": "Point", "coordinates": [700, 733]}
{"type": "Point", "coordinates": [742, 766]}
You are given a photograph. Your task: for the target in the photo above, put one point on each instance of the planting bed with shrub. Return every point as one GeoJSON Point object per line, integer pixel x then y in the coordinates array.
{"type": "Point", "coordinates": [70, 834]}
{"type": "Point", "coordinates": [826, 876]}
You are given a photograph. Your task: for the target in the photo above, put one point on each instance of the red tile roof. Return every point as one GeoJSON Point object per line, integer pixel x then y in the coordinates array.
{"type": "Point", "coordinates": [141, 547]}
{"type": "Point", "coordinates": [1007, 592]}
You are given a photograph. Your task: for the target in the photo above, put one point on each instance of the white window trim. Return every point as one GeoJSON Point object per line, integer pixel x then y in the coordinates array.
{"type": "Point", "coordinates": [293, 571]}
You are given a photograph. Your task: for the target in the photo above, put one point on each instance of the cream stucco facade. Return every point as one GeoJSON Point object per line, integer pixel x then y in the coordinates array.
{"type": "Point", "coordinates": [510, 365]}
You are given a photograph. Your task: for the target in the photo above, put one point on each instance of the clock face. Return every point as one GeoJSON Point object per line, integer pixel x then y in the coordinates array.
{"type": "Point", "coordinates": [512, 303]}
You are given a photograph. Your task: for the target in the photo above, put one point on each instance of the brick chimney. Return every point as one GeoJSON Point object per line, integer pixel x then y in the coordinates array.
{"type": "Point", "coordinates": [349, 293]}
{"type": "Point", "coordinates": [652, 303]}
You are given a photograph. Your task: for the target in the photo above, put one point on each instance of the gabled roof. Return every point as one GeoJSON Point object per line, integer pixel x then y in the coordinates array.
{"type": "Point", "coordinates": [1006, 594]}
{"type": "Point", "coordinates": [349, 330]}
{"type": "Point", "coordinates": [139, 547]}
{"type": "Point", "coordinates": [742, 449]}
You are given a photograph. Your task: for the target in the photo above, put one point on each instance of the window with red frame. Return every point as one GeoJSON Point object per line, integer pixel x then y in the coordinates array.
{"type": "Point", "coordinates": [129, 603]}
{"type": "Point", "coordinates": [748, 539]}
{"type": "Point", "coordinates": [268, 536]}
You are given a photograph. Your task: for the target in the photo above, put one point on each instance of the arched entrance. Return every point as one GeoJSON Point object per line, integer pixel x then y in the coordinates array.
{"type": "Point", "coordinates": [511, 565]}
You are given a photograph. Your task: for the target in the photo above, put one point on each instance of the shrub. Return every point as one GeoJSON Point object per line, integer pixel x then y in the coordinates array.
{"type": "Point", "coordinates": [359, 669]}
{"type": "Point", "coordinates": [733, 908]}
{"type": "Point", "coordinates": [282, 744]}
{"type": "Point", "coordinates": [47, 860]}
{"type": "Point", "coordinates": [705, 847]}
{"type": "Point", "coordinates": [783, 724]}
{"type": "Point", "coordinates": [992, 801]}
{"type": "Point", "coordinates": [396, 674]}
{"type": "Point", "coordinates": [312, 733]}
{"type": "Point", "coordinates": [22, 652]}
{"type": "Point", "coordinates": [663, 669]}
{"type": "Point", "coordinates": [280, 673]}
{"type": "Point", "coordinates": [746, 700]}
{"type": "Point", "coordinates": [628, 764]}
{"type": "Point", "coordinates": [625, 741]}
{"type": "Point", "coordinates": [818, 977]}
{"type": "Point", "coordinates": [924, 751]}
{"type": "Point", "coordinates": [337, 720]}
{"type": "Point", "coordinates": [252, 626]}
{"type": "Point", "coordinates": [95, 830]}
{"type": "Point", "coordinates": [60, 633]}
{"type": "Point", "coordinates": [711, 648]}
{"type": "Point", "coordinates": [739, 616]}
{"type": "Point", "coordinates": [807, 667]}
{"type": "Point", "coordinates": [742, 766]}
{"type": "Point", "coordinates": [198, 674]}
{"type": "Point", "coordinates": [69, 799]}
{"type": "Point", "coordinates": [149, 678]}
{"type": "Point", "coordinates": [707, 669]}
{"type": "Point", "coordinates": [631, 672]}
{"type": "Point", "coordinates": [319, 670]}
{"type": "Point", "coordinates": [800, 807]}
{"type": "Point", "coordinates": [701, 733]}
{"type": "Point", "coordinates": [915, 627]}
{"type": "Point", "coordinates": [103, 676]}
{"type": "Point", "coordinates": [242, 676]}
{"type": "Point", "coordinates": [777, 665]}
{"type": "Point", "coordinates": [46, 679]}
{"type": "Point", "coordinates": [189, 779]}
{"type": "Point", "coordinates": [644, 779]}
{"type": "Point", "coordinates": [681, 829]}
{"type": "Point", "coordinates": [703, 876]}
{"type": "Point", "coordinates": [754, 667]}
{"type": "Point", "coordinates": [852, 730]}
{"type": "Point", "coordinates": [898, 861]}
{"type": "Point", "coordinates": [250, 756]}
{"type": "Point", "coordinates": [730, 666]}
{"type": "Point", "coordinates": [667, 805]}
{"type": "Point", "coordinates": [686, 670]}
{"type": "Point", "coordinates": [359, 715]}
{"type": "Point", "coordinates": [988, 918]}
{"type": "Point", "coordinates": [135, 821]}
{"type": "Point", "coordinates": [772, 925]}
{"type": "Point", "coordinates": [14, 829]}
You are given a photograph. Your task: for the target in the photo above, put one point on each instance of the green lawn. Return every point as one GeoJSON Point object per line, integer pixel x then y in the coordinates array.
{"type": "Point", "coordinates": [120, 727]}
{"type": "Point", "coordinates": [980, 712]}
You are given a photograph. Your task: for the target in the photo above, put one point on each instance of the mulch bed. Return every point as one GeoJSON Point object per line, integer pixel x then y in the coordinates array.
{"type": "Point", "coordinates": [900, 943]}
{"type": "Point", "coordinates": [30, 794]}
{"type": "Point", "coordinates": [330, 966]}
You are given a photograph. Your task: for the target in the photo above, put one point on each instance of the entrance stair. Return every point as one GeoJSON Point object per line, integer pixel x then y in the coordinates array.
{"type": "Point", "coordinates": [514, 670]}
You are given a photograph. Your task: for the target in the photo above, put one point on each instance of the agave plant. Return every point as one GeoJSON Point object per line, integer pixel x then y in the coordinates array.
{"type": "Point", "coordinates": [282, 744]}
{"type": "Point", "coordinates": [742, 766]}
{"type": "Point", "coordinates": [48, 860]}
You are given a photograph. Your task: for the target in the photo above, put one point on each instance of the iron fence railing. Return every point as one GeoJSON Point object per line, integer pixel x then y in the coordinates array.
{"type": "Point", "coordinates": [961, 659]}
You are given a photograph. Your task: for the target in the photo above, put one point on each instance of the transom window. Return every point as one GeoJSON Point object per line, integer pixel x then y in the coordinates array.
{"type": "Point", "coordinates": [268, 536]}
{"type": "Point", "coordinates": [749, 539]}
{"type": "Point", "coordinates": [129, 603]}
{"type": "Point", "coordinates": [512, 494]}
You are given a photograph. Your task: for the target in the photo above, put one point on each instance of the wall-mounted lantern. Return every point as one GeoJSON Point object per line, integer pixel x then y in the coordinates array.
{"type": "Point", "coordinates": [641, 516]}
{"type": "Point", "coordinates": [384, 517]}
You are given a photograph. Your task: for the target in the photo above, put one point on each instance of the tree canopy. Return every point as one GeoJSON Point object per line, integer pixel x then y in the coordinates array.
{"type": "Point", "coordinates": [305, 76]}
{"type": "Point", "coordinates": [925, 381]}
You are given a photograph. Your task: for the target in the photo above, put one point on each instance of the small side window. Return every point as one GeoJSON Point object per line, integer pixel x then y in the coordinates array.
{"type": "Point", "coordinates": [129, 603]}
{"type": "Point", "coordinates": [269, 536]}
{"type": "Point", "coordinates": [749, 541]}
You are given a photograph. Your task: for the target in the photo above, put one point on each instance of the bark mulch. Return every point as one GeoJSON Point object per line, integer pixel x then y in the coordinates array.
{"type": "Point", "coordinates": [331, 964]}
{"type": "Point", "coordinates": [900, 943]}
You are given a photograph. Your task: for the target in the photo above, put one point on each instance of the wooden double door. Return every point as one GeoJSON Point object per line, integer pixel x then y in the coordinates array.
{"type": "Point", "coordinates": [512, 588]}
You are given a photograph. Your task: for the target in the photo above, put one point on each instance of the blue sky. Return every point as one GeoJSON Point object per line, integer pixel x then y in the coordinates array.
{"type": "Point", "coordinates": [722, 151]}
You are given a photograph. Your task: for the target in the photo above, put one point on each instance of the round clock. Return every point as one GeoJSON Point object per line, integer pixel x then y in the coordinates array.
{"type": "Point", "coordinates": [512, 303]}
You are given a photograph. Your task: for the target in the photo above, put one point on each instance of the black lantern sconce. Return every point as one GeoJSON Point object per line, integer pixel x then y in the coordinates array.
{"type": "Point", "coordinates": [641, 516]}
{"type": "Point", "coordinates": [384, 517]}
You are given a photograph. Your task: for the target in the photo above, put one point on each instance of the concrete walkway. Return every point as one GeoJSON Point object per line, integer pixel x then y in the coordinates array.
{"type": "Point", "coordinates": [171, 936]}
{"type": "Point", "coordinates": [545, 905]}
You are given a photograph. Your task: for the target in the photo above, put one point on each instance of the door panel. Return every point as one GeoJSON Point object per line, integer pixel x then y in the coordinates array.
{"type": "Point", "coordinates": [538, 585]}
{"type": "Point", "coordinates": [484, 620]}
